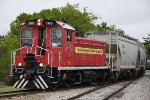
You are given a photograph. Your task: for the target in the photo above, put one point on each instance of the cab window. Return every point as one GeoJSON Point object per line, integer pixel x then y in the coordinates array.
{"type": "Point", "coordinates": [26, 37]}
{"type": "Point", "coordinates": [69, 35]}
{"type": "Point", "coordinates": [56, 37]}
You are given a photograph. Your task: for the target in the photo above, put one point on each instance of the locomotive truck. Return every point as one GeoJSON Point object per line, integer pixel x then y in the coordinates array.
{"type": "Point", "coordinates": [51, 54]}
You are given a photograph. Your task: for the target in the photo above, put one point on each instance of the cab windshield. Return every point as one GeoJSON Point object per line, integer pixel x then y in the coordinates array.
{"type": "Point", "coordinates": [26, 37]}
{"type": "Point", "coordinates": [56, 37]}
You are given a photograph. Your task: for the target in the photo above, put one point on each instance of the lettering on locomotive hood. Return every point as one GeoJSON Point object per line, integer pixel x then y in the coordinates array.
{"type": "Point", "coordinates": [88, 50]}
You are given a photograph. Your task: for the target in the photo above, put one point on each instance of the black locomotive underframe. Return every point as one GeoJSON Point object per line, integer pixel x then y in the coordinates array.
{"type": "Point", "coordinates": [58, 77]}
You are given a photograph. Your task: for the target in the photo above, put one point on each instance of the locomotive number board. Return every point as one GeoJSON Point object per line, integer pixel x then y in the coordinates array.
{"type": "Point", "coordinates": [88, 50]}
{"type": "Point", "coordinates": [31, 22]}
{"type": "Point", "coordinates": [49, 22]}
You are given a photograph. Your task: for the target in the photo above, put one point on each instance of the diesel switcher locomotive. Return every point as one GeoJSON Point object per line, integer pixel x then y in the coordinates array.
{"type": "Point", "coordinates": [51, 54]}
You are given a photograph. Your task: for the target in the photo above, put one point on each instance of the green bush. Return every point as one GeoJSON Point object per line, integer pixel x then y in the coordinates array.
{"type": "Point", "coordinates": [10, 43]}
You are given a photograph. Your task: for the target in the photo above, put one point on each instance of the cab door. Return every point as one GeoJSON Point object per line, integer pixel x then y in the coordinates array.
{"type": "Point", "coordinates": [56, 45]}
{"type": "Point", "coordinates": [42, 40]}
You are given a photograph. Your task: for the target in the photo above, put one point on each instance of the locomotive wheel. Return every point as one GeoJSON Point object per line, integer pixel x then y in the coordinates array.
{"type": "Point", "coordinates": [99, 81]}
{"type": "Point", "coordinates": [67, 83]}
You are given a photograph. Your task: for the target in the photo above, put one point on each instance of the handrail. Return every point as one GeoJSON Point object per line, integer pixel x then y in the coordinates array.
{"type": "Point", "coordinates": [11, 73]}
{"type": "Point", "coordinates": [13, 54]}
{"type": "Point", "coordinates": [49, 53]}
{"type": "Point", "coordinates": [59, 58]}
{"type": "Point", "coordinates": [42, 45]}
{"type": "Point", "coordinates": [21, 48]}
{"type": "Point", "coordinates": [32, 45]}
{"type": "Point", "coordinates": [45, 50]}
{"type": "Point", "coordinates": [51, 63]}
{"type": "Point", "coordinates": [59, 62]}
{"type": "Point", "coordinates": [42, 48]}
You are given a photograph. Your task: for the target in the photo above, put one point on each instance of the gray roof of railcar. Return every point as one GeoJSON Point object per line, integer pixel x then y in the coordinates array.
{"type": "Point", "coordinates": [124, 36]}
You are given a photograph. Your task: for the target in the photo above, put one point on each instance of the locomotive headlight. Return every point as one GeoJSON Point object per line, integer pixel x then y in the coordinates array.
{"type": "Point", "coordinates": [39, 24]}
{"type": "Point", "coordinates": [19, 64]}
{"type": "Point", "coordinates": [39, 20]}
{"type": "Point", "coordinates": [41, 64]}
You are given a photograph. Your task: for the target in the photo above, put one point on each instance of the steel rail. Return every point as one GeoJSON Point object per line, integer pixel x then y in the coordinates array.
{"type": "Point", "coordinates": [119, 90]}
{"type": "Point", "coordinates": [87, 92]}
{"type": "Point", "coordinates": [16, 93]}
{"type": "Point", "coordinates": [100, 87]}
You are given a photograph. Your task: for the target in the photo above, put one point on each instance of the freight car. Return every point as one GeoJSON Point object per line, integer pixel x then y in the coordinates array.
{"type": "Point", "coordinates": [125, 55]}
{"type": "Point", "coordinates": [50, 54]}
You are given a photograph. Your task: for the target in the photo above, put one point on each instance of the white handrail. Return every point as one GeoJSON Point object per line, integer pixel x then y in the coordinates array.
{"type": "Point", "coordinates": [42, 48]}
{"type": "Point", "coordinates": [42, 45]}
{"type": "Point", "coordinates": [21, 48]}
{"type": "Point", "coordinates": [11, 74]}
{"type": "Point", "coordinates": [13, 54]}
{"type": "Point", "coordinates": [59, 57]}
{"type": "Point", "coordinates": [49, 53]}
{"type": "Point", "coordinates": [51, 63]}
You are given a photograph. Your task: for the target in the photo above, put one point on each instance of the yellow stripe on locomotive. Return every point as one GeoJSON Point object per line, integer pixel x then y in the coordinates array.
{"type": "Point", "coordinates": [88, 51]}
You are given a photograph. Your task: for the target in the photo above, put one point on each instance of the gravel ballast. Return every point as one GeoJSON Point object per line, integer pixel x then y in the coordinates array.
{"type": "Point", "coordinates": [138, 90]}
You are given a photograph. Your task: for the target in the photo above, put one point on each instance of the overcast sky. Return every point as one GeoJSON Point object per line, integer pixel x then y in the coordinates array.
{"type": "Point", "coordinates": [133, 16]}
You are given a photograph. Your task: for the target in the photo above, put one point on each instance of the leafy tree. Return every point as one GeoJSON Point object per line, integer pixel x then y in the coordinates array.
{"type": "Point", "coordinates": [82, 21]}
{"type": "Point", "coordinates": [9, 43]}
{"type": "Point", "coordinates": [147, 45]}
{"type": "Point", "coordinates": [147, 40]}
{"type": "Point", "coordinates": [104, 26]}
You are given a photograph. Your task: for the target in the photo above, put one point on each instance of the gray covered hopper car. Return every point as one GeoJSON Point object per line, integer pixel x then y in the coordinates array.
{"type": "Point", "coordinates": [125, 55]}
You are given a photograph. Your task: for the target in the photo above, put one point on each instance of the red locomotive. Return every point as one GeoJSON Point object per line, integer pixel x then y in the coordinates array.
{"type": "Point", "coordinates": [50, 53]}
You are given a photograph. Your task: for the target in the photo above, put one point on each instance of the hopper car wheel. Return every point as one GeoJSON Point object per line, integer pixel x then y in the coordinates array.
{"type": "Point", "coordinates": [133, 74]}
{"type": "Point", "coordinates": [130, 75]}
{"type": "Point", "coordinates": [114, 77]}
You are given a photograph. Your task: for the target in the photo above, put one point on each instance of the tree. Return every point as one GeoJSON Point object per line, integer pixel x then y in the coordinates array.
{"type": "Point", "coordinates": [147, 45]}
{"type": "Point", "coordinates": [104, 26]}
{"type": "Point", "coordinates": [147, 40]}
{"type": "Point", "coordinates": [9, 43]}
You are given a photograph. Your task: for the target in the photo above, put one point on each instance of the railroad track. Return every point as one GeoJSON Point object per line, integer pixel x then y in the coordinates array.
{"type": "Point", "coordinates": [18, 93]}
{"type": "Point", "coordinates": [116, 92]}
{"type": "Point", "coordinates": [93, 88]}
{"type": "Point", "coordinates": [100, 87]}
{"type": "Point", "coordinates": [27, 92]}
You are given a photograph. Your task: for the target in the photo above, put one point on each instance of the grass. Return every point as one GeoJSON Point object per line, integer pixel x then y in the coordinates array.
{"type": "Point", "coordinates": [9, 89]}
